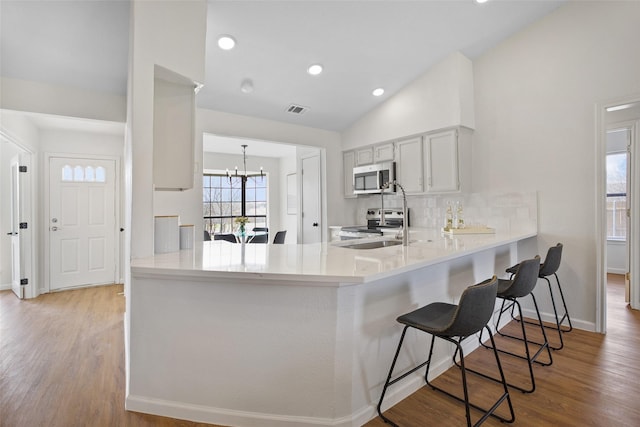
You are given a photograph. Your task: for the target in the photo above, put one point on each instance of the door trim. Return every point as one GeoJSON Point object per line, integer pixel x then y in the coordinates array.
{"type": "Point", "coordinates": [30, 290]}
{"type": "Point", "coordinates": [601, 218]}
{"type": "Point", "coordinates": [46, 288]}
{"type": "Point", "coordinates": [321, 154]}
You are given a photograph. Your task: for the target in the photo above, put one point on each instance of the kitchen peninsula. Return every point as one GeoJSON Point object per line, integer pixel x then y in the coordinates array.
{"type": "Point", "coordinates": [303, 335]}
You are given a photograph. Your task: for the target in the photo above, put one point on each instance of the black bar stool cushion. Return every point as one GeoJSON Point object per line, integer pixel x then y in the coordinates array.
{"type": "Point", "coordinates": [468, 317]}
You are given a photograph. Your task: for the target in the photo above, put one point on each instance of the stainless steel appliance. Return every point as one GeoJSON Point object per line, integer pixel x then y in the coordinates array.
{"type": "Point", "coordinates": [393, 218]}
{"type": "Point", "coordinates": [370, 178]}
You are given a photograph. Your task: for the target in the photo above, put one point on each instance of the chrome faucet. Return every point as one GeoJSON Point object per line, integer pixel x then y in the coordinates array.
{"type": "Point", "coordinates": [405, 217]}
{"type": "Point", "coordinates": [383, 222]}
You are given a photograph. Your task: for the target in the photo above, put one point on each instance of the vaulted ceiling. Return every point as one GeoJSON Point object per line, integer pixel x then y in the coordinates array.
{"type": "Point", "coordinates": [362, 45]}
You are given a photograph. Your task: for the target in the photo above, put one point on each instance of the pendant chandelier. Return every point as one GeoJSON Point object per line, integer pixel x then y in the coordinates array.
{"type": "Point", "coordinates": [243, 175]}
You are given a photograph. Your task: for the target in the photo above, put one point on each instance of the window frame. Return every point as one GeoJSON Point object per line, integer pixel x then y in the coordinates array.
{"type": "Point", "coordinates": [608, 195]}
{"type": "Point", "coordinates": [224, 223]}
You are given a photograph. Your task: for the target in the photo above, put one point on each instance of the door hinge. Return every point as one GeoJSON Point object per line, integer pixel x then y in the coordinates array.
{"type": "Point", "coordinates": [627, 276]}
{"type": "Point", "coordinates": [24, 282]}
{"type": "Point", "coordinates": [22, 169]}
{"type": "Point", "coordinates": [23, 225]}
{"type": "Point", "coordinates": [629, 213]}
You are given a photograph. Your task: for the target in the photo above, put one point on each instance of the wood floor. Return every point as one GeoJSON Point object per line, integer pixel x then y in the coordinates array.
{"type": "Point", "coordinates": [62, 364]}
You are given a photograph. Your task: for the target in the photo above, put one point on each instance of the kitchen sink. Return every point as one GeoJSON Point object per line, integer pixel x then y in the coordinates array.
{"type": "Point", "coordinates": [373, 245]}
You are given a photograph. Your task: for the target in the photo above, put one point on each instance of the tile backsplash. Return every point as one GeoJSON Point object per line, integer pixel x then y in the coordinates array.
{"type": "Point", "coordinates": [513, 211]}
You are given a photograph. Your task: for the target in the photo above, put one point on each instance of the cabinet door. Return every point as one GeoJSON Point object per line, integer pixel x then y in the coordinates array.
{"type": "Point", "coordinates": [348, 162]}
{"type": "Point", "coordinates": [441, 162]}
{"type": "Point", "coordinates": [409, 164]}
{"type": "Point", "coordinates": [383, 153]}
{"type": "Point", "coordinates": [364, 156]}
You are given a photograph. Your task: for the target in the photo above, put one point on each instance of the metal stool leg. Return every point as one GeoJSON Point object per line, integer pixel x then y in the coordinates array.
{"type": "Point", "coordinates": [388, 382]}
{"type": "Point", "coordinates": [559, 321]}
{"type": "Point", "coordinates": [505, 395]}
{"type": "Point", "coordinates": [531, 359]}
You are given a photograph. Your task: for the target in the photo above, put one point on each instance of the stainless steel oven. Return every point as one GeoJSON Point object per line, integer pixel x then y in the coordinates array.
{"type": "Point", "coordinates": [393, 219]}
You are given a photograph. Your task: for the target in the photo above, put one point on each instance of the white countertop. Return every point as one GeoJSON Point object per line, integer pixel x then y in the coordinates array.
{"type": "Point", "coordinates": [321, 262]}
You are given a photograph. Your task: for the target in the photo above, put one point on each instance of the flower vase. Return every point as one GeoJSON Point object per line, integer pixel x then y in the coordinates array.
{"type": "Point", "coordinates": [243, 236]}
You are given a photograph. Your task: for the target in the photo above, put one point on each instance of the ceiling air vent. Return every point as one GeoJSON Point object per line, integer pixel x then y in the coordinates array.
{"type": "Point", "coordinates": [297, 109]}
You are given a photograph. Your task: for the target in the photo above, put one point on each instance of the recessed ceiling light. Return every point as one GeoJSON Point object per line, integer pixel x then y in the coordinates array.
{"type": "Point", "coordinates": [481, 1]}
{"type": "Point", "coordinates": [246, 86]}
{"type": "Point", "coordinates": [314, 69]}
{"type": "Point", "coordinates": [378, 92]}
{"type": "Point", "coordinates": [622, 106]}
{"type": "Point", "coordinates": [226, 42]}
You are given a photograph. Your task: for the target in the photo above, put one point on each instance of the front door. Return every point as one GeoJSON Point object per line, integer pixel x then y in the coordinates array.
{"type": "Point", "coordinates": [82, 222]}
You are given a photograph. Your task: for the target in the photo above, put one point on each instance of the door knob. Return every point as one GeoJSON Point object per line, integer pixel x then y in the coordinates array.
{"type": "Point", "coordinates": [315, 224]}
{"type": "Point", "coordinates": [54, 228]}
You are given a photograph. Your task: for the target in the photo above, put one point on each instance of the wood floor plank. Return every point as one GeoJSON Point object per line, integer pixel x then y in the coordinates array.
{"type": "Point", "coordinates": [62, 365]}
{"type": "Point", "coordinates": [593, 380]}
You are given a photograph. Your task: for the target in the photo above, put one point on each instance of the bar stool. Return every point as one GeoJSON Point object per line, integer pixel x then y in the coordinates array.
{"type": "Point", "coordinates": [547, 268]}
{"type": "Point", "coordinates": [454, 323]}
{"type": "Point", "coordinates": [524, 281]}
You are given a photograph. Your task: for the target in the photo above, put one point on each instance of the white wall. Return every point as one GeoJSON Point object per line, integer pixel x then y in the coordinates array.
{"type": "Point", "coordinates": [73, 142]}
{"type": "Point", "coordinates": [37, 97]}
{"type": "Point", "coordinates": [535, 98]}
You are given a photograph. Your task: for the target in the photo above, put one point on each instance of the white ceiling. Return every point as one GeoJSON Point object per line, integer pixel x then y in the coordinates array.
{"type": "Point", "coordinates": [362, 45]}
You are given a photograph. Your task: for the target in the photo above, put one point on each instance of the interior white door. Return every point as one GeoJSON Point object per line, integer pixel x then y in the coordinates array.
{"type": "Point", "coordinates": [16, 264]}
{"type": "Point", "coordinates": [81, 222]}
{"type": "Point", "coordinates": [310, 194]}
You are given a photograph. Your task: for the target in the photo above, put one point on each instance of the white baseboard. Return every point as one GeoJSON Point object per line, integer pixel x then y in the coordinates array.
{"type": "Point", "coordinates": [550, 317]}
{"type": "Point", "coordinates": [207, 414]}
{"type": "Point", "coordinates": [5, 287]}
{"type": "Point", "coordinates": [616, 270]}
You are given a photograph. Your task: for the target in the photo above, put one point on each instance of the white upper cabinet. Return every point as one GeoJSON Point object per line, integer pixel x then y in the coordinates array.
{"type": "Point", "coordinates": [173, 131]}
{"type": "Point", "coordinates": [364, 156]}
{"type": "Point", "coordinates": [348, 162]}
{"type": "Point", "coordinates": [438, 162]}
{"type": "Point", "coordinates": [409, 164]}
{"type": "Point", "coordinates": [383, 153]}
{"type": "Point", "coordinates": [447, 161]}
{"type": "Point", "coordinates": [441, 168]}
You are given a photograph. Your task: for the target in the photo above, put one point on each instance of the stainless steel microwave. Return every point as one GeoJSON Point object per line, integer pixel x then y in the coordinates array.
{"type": "Point", "coordinates": [370, 178]}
